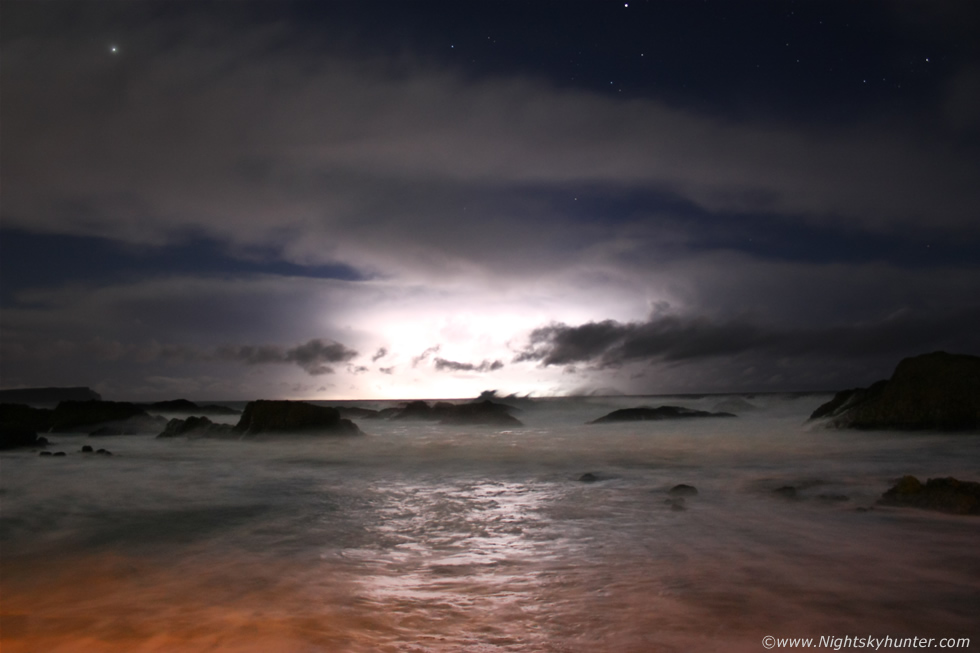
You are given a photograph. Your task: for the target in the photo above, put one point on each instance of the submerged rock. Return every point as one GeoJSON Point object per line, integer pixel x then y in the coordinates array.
{"type": "Point", "coordinates": [588, 477]}
{"type": "Point", "coordinates": [645, 413]}
{"type": "Point", "coordinates": [934, 391]}
{"type": "Point", "coordinates": [264, 417]}
{"type": "Point", "coordinates": [941, 494]}
{"type": "Point", "coordinates": [683, 490]}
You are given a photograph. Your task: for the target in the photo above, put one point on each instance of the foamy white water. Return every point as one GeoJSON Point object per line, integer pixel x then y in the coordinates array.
{"type": "Point", "coordinates": [431, 538]}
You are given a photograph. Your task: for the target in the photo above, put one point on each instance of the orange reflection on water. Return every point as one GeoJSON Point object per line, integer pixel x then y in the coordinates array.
{"type": "Point", "coordinates": [108, 603]}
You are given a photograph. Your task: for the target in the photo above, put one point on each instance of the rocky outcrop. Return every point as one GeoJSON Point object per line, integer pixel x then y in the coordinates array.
{"type": "Point", "coordinates": [197, 427]}
{"type": "Point", "coordinates": [937, 391]}
{"type": "Point", "coordinates": [23, 417]}
{"type": "Point", "coordinates": [484, 412]}
{"type": "Point", "coordinates": [187, 406]}
{"type": "Point", "coordinates": [645, 413]}
{"type": "Point", "coordinates": [14, 438]}
{"type": "Point", "coordinates": [942, 494]}
{"type": "Point", "coordinates": [49, 396]}
{"type": "Point", "coordinates": [477, 413]}
{"type": "Point", "coordinates": [267, 417]}
{"type": "Point", "coordinates": [78, 415]}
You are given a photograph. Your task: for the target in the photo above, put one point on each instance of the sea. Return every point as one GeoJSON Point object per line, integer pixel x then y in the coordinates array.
{"type": "Point", "coordinates": [560, 536]}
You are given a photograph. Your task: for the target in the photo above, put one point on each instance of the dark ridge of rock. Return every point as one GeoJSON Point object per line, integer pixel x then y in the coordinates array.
{"type": "Point", "coordinates": [941, 494]}
{"type": "Point", "coordinates": [14, 438]}
{"type": "Point", "coordinates": [187, 406]}
{"type": "Point", "coordinates": [132, 426]}
{"type": "Point", "coordinates": [265, 416]}
{"type": "Point", "coordinates": [683, 490]}
{"type": "Point", "coordinates": [355, 412]}
{"type": "Point", "coordinates": [645, 413]}
{"type": "Point", "coordinates": [50, 396]}
{"type": "Point", "coordinates": [937, 391]}
{"type": "Point", "coordinates": [73, 415]}
{"type": "Point", "coordinates": [24, 417]}
{"type": "Point", "coordinates": [45, 453]}
{"type": "Point", "coordinates": [419, 410]}
{"type": "Point", "coordinates": [103, 452]}
{"type": "Point", "coordinates": [59, 453]}
{"type": "Point", "coordinates": [479, 413]}
{"type": "Point", "coordinates": [198, 427]}
{"type": "Point", "coordinates": [847, 399]}
{"type": "Point", "coordinates": [484, 412]}
{"type": "Point", "coordinates": [87, 449]}
{"type": "Point", "coordinates": [588, 477]}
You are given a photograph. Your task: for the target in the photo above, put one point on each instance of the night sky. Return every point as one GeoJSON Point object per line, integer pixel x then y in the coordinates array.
{"type": "Point", "coordinates": [430, 199]}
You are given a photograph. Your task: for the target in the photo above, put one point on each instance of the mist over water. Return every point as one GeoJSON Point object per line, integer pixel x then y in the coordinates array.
{"type": "Point", "coordinates": [421, 537]}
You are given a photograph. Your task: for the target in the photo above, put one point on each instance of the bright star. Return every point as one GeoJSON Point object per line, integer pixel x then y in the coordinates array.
{"type": "Point", "coordinates": [114, 49]}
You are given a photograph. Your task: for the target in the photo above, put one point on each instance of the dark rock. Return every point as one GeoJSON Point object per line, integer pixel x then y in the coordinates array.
{"type": "Point", "coordinates": [486, 413]}
{"type": "Point", "coordinates": [415, 410]}
{"type": "Point", "coordinates": [21, 416]}
{"type": "Point", "coordinates": [48, 395]}
{"type": "Point", "coordinates": [934, 391]}
{"type": "Point", "coordinates": [787, 492]}
{"type": "Point", "coordinates": [942, 494]}
{"type": "Point", "coordinates": [683, 490]}
{"type": "Point", "coordinates": [588, 477]}
{"type": "Point", "coordinates": [356, 412]}
{"type": "Point", "coordinates": [261, 417]}
{"type": "Point", "coordinates": [198, 427]}
{"type": "Point", "coordinates": [59, 453]}
{"type": "Point", "coordinates": [645, 413]}
{"type": "Point", "coordinates": [75, 415]}
{"type": "Point", "coordinates": [87, 449]}
{"type": "Point", "coordinates": [483, 412]}
{"type": "Point", "coordinates": [14, 438]}
{"type": "Point", "coordinates": [103, 452]}
{"type": "Point", "coordinates": [187, 406]}
{"type": "Point", "coordinates": [45, 453]}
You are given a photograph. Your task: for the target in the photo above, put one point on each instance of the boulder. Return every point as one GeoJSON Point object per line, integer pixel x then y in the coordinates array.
{"type": "Point", "coordinates": [942, 494]}
{"type": "Point", "coordinates": [645, 413]}
{"type": "Point", "coordinates": [197, 427]}
{"type": "Point", "coordinates": [13, 438]}
{"type": "Point", "coordinates": [937, 391]}
{"type": "Point", "coordinates": [683, 490]}
{"type": "Point", "coordinates": [264, 416]}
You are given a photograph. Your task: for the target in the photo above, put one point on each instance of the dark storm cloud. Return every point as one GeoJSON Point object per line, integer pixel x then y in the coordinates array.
{"type": "Point", "coordinates": [314, 356]}
{"type": "Point", "coordinates": [689, 338]}
{"type": "Point", "coordinates": [444, 365]}
{"type": "Point", "coordinates": [425, 355]}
